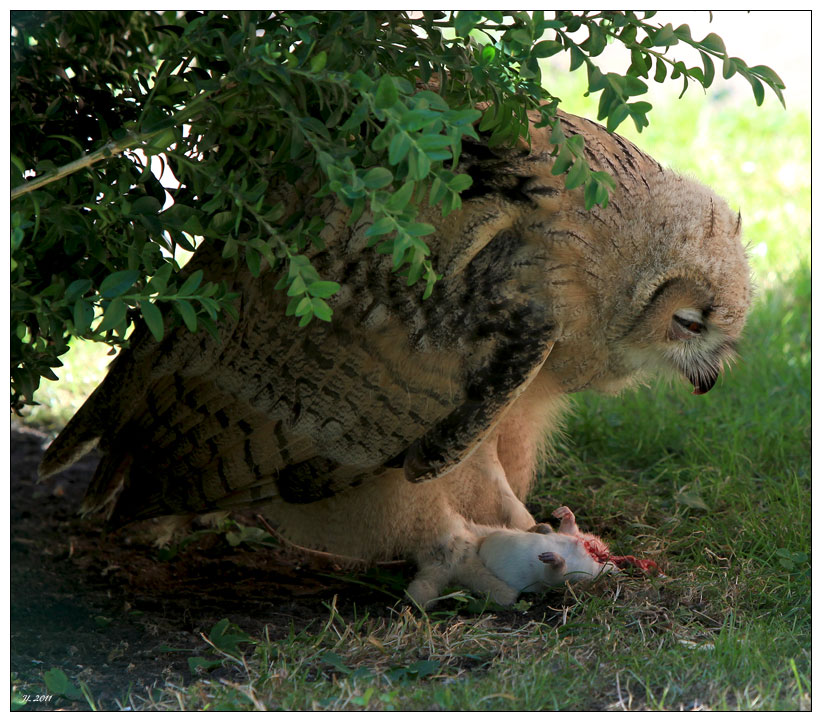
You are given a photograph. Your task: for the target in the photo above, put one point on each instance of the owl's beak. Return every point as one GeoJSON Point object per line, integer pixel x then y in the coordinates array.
{"type": "Point", "coordinates": [703, 382]}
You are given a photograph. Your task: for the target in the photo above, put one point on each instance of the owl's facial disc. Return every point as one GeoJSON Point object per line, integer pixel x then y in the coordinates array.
{"type": "Point", "coordinates": [700, 348]}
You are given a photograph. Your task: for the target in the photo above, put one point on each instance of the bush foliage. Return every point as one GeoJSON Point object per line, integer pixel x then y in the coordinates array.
{"type": "Point", "coordinates": [232, 102]}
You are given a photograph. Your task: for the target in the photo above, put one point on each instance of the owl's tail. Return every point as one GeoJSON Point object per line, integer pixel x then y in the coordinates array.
{"type": "Point", "coordinates": [101, 413]}
{"type": "Point", "coordinates": [80, 436]}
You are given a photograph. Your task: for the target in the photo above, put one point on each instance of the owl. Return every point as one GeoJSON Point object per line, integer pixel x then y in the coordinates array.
{"type": "Point", "coordinates": [409, 427]}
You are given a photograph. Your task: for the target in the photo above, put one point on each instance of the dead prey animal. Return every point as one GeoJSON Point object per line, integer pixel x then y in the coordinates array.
{"type": "Point", "coordinates": [529, 562]}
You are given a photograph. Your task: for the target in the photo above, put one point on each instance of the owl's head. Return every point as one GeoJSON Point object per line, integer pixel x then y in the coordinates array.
{"type": "Point", "coordinates": [691, 294]}
{"type": "Point", "coordinates": [683, 330]}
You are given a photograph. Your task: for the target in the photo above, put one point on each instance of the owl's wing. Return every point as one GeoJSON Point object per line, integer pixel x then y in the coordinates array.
{"type": "Point", "coordinates": [276, 412]}
{"type": "Point", "coordinates": [490, 394]}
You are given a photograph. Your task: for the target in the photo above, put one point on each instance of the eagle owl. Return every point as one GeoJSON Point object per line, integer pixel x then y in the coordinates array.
{"type": "Point", "coordinates": [410, 427]}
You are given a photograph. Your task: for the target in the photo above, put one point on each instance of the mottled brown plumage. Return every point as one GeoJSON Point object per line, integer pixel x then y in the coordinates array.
{"type": "Point", "coordinates": [328, 426]}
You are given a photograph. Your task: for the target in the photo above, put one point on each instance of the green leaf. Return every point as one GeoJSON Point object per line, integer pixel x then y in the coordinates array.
{"type": "Point", "coordinates": [617, 116]}
{"type": "Point", "coordinates": [227, 636]}
{"type": "Point", "coordinates": [192, 283]}
{"type": "Point", "coordinates": [414, 120]}
{"type": "Point", "coordinates": [298, 287]}
{"type": "Point", "coordinates": [460, 182]}
{"type": "Point", "coordinates": [76, 289]}
{"type": "Point", "coordinates": [577, 175]}
{"type": "Point", "coordinates": [433, 142]}
{"type": "Point", "coordinates": [161, 142]}
{"type": "Point", "coordinates": [380, 227]}
{"type": "Point", "coordinates": [114, 316]}
{"type": "Point", "coordinates": [252, 260]}
{"type": "Point", "coordinates": [153, 319]}
{"type": "Point", "coordinates": [419, 165]}
{"type": "Point", "coordinates": [83, 316]}
{"type": "Point", "coordinates": [465, 21]}
{"type": "Point", "coordinates": [419, 229]}
{"type": "Point", "coordinates": [195, 664]}
{"type": "Point", "coordinates": [768, 75]}
{"type": "Point", "coordinates": [378, 178]}
{"type": "Point", "coordinates": [661, 71]}
{"type": "Point", "coordinates": [159, 281]}
{"type": "Point", "coordinates": [146, 206]}
{"type": "Point", "coordinates": [321, 309]}
{"type": "Point", "coordinates": [714, 43]}
{"type": "Point", "coordinates": [577, 57]}
{"type": "Point", "coordinates": [708, 66]}
{"type": "Point", "coordinates": [118, 283]}
{"type": "Point", "coordinates": [665, 37]}
{"type": "Point", "coordinates": [683, 32]}
{"type": "Point", "coordinates": [323, 289]}
{"type": "Point", "coordinates": [596, 80]}
{"type": "Point", "coordinates": [222, 223]}
{"type": "Point", "coordinates": [758, 90]}
{"type": "Point", "coordinates": [400, 199]}
{"type": "Point", "coordinates": [384, 137]}
{"type": "Point", "coordinates": [386, 94]}
{"type": "Point", "coordinates": [546, 49]}
{"type": "Point", "coordinates": [318, 61]}
{"type": "Point", "coordinates": [596, 41]}
{"type": "Point", "coordinates": [563, 160]}
{"type": "Point", "coordinates": [58, 683]}
{"type": "Point", "coordinates": [399, 147]}
{"type": "Point", "coordinates": [303, 306]}
{"type": "Point", "coordinates": [187, 312]}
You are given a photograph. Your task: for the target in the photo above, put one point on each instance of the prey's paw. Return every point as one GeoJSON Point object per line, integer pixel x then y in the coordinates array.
{"type": "Point", "coordinates": [568, 522]}
{"type": "Point", "coordinates": [553, 560]}
{"type": "Point", "coordinates": [541, 528]}
{"type": "Point", "coordinates": [563, 512]}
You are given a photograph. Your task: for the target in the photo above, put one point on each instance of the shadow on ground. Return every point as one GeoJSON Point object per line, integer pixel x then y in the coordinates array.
{"type": "Point", "coordinates": [106, 610]}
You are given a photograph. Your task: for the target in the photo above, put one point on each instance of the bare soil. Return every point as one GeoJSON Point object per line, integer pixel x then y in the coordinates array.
{"type": "Point", "coordinates": [107, 610]}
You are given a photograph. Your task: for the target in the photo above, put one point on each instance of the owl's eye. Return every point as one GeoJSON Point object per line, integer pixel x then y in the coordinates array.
{"type": "Point", "coordinates": [689, 324]}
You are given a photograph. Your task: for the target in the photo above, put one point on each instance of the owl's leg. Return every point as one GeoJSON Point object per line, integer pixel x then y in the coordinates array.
{"type": "Point", "coordinates": [487, 464]}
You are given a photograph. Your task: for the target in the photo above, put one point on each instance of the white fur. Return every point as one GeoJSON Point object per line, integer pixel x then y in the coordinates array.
{"type": "Point", "coordinates": [513, 556]}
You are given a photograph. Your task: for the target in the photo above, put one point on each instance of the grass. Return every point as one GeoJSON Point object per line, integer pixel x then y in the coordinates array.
{"type": "Point", "coordinates": [716, 487]}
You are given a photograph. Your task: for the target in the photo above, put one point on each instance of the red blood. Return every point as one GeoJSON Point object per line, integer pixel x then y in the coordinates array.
{"type": "Point", "coordinates": [645, 565]}
{"type": "Point", "coordinates": [597, 549]}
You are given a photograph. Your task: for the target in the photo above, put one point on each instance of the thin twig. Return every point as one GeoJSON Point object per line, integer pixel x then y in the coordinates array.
{"type": "Point", "coordinates": [112, 148]}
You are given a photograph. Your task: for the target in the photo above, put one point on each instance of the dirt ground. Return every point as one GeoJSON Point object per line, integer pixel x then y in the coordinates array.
{"type": "Point", "coordinates": [105, 609]}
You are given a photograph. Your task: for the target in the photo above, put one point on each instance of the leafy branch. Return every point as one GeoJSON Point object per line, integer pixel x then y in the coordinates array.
{"type": "Point", "coordinates": [235, 104]}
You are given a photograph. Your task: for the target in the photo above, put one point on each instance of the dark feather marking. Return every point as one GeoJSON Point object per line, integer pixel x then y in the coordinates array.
{"type": "Point", "coordinates": [282, 443]}
{"type": "Point", "coordinates": [221, 475]}
{"type": "Point", "coordinates": [249, 459]}
{"type": "Point", "coordinates": [487, 392]}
